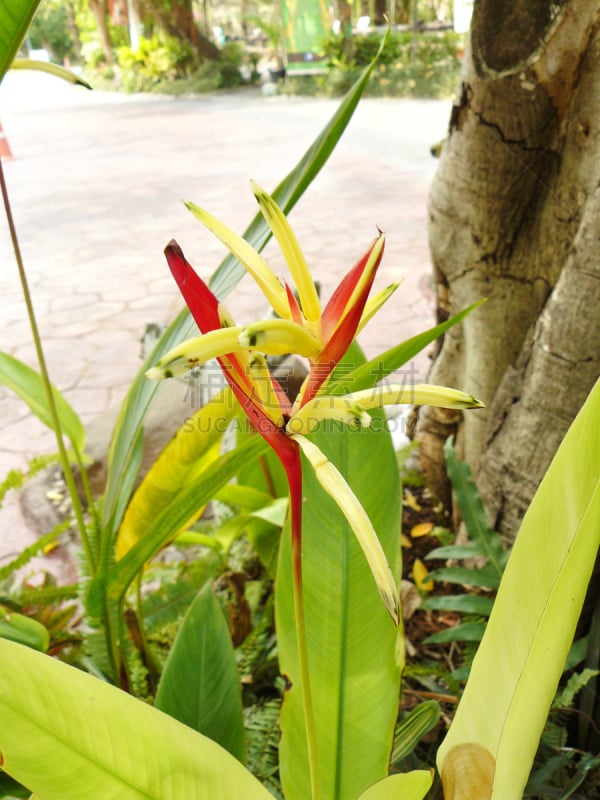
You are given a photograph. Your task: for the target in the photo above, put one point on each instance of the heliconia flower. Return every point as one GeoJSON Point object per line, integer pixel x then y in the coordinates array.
{"type": "Point", "coordinates": [323, 337]}
{"type": "Point", "coordinates": [320, 335]}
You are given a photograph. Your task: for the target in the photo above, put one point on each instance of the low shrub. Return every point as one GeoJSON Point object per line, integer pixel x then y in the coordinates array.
{"type": "Point", "coordinates": [433, 73]}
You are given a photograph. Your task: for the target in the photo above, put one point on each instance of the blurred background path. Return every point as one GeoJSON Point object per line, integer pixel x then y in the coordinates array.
{"type": "Point", "coordinates": [96, 183]}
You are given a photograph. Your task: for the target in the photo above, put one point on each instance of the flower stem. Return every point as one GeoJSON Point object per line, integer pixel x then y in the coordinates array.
{"type": "Point", "coordinates": [64, 459]}
{"type": "Point", "coordinates": [295, 482]}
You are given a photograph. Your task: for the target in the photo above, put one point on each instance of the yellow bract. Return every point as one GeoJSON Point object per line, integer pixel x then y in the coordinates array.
{"type": "Point", "coordinates": [294, 257]}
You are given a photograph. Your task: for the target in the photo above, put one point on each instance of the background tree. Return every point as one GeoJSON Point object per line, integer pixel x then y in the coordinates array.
{"type": "Point", "coordinates": [53, 28]}
{"type": "Point", "coordinates": [515, 217]}
{"type": "Point", "coordinates": [99, 9]}
{"type": "Point", "coordinates": [176, 18]}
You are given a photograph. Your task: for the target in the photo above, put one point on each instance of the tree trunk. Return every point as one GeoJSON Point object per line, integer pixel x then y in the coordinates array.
{"type": "Point", "coordinates": [74, 31]}
{"type": "Point", "coordinates": [514, 217]}
{"type": "Point", "coordinates": [99, 9]}
{"type": "Point", "coordinates": [176, 18]}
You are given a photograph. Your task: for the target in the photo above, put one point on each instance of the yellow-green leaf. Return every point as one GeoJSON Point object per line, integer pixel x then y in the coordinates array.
{"type": "Point", "coordinates": [523, 652]}
{"type": "Point", "coordinates": [410, 786]}
{"type": "Point", "coordinates": [191, 450]}
{"type": "Point", "coordinates": [68, 736]}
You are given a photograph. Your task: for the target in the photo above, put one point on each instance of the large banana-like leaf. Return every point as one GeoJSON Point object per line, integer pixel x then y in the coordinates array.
{"type": "Point", "coordinates": [353, 645]}
{"type": "Point", "coordinates": [192, 448]}
{"type": "Point", "coordinates": [27, 383]}
{"type": "Point", "coordinates": [491, 744]}
{"type": "Point", "coordinates": [165, 525]}
{"type": "Point", "coordinates": [226, 277]}
{"type": "Point", "coordinates": [410, 786]}
{"type": "Point", "coordinates": [200, 685]}
{"type": "Point", "coordinates": [15, 16]}
{"type": "Point", "coordinates": [68, 736]}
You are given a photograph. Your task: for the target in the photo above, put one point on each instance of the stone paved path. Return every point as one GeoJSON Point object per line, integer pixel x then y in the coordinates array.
{"type": "Point", "coordinates": [96, 183]}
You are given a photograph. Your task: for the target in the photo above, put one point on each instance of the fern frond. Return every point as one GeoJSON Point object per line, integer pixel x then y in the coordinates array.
{"type": "Point", "coordinates": [33, 550]}
{"type": "Point", "coordinates": [17, 478]}
{"type": "Point", "coordinates": [262, 740]}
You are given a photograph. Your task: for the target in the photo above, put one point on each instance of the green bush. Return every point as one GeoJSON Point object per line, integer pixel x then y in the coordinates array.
{"type": "Point", "coordinates": [431, 48]}
{"type": "Point", "coordinates": [433, 74]}
{"type": "Point", "coordinates": [155, 60]}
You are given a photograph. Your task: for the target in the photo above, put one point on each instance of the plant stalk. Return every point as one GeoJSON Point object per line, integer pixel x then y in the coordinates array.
{"type": "Point", "coordinates": [64, 460]}
{"type": "Point", "coordinates": [295, 483]}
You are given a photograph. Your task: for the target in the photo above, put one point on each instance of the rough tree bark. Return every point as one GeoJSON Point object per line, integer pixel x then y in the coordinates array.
{"type": "Point", "coordinates": [515, 217]}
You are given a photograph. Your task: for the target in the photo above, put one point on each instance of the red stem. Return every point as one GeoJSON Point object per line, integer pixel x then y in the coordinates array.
{"type": "Point", "coordinates": [293, 467]}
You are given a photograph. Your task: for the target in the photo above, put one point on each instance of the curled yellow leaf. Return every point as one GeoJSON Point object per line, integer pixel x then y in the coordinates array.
{"type": "Point", "coordinates": [422, 529]}
{"type": "Point", "coordinates": [421, 576]}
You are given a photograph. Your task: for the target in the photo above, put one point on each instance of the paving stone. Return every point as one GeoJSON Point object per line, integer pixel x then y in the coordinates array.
{"type": "Point", "coordinates": [96, 186]}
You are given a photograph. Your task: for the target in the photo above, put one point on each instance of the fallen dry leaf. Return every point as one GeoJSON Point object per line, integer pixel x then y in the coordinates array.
{"type": "Point", "coordinates": [422, 529]}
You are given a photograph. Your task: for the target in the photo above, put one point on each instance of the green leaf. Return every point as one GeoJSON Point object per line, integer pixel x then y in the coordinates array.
{"type": "Point", "coordinates": [377, 369]}
{"type": "Point", "coordinates": [245, 497]}
{"type": "Point", "coordinates": [200, 685]}
{"type": "Point", "coordinates": [483, 577]}
{"type": "Point", "coordinates": [10, 788]}
{"type": "Point", "coordinates": [163, 528]}
{"type": "Point", "coordinates": [465, 632]}
{"type": "Point", "coordinates": [574, 685]}
{"type": "Point", "coordinates": [265, 537]}
{"type": "Point", "coordinates": [587, 763]}
{"type": "Point", "coordinates": [15, 16]}
{"type": "Point", "coordinates": [472, 510]}
{"type": "Point", "coordinates": [30, 552]}
{"type": "Point", "coordinates": [67, 735]}
{"type": "Point", "coordinates": [353, 645]}
{"type": "Point", "coordinates": [519, 662]}
{"type": "Point", "coordinates": [589, 702]}
{"type": "Point", "coordinates": [410, 786]}
{"type": "Point", "coordinates": [186, 455]}
{"type": "Point", "coordinates": [127, 439]}
{"type": "Point", "coordinates": [27, 384]}
{"type": "Point", "coordinates": [172, 598]}
{"type": "Point", "coordinates": [464, 603]}
{"type": "Point", "coordinates": [410, 730]}
{"type": "Point", "coordinates": [456, 551]}
{"type": "Point", "coordinates": [225, 278]}
{"type": "Point", "coordinates": [22, 629]}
